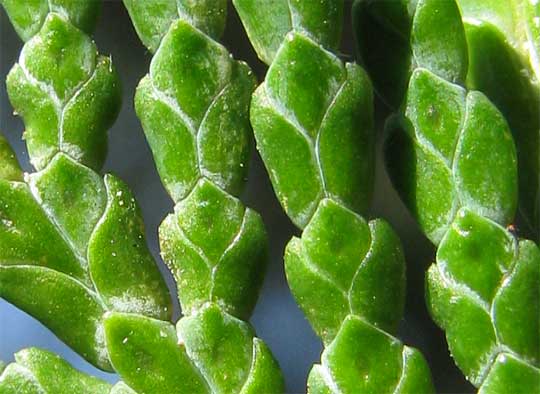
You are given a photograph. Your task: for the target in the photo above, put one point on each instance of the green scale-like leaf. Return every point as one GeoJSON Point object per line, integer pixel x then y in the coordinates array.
{"type": "Point", "coordinates": [72, 247]}
{"type": "Point", "coordinates": [485, 292]}
{"type": "Point", "coordinates": [37, 371]}
{"type": "Point", "coordinates": [268, 22]}
{"type": "Point", "coordinates": [313, 123]}
{"type": "Point", "coordinates": [152, 19]}
{"type": "Point", "coordinates": [72, 244]}
{"type": "Point", "coordinates": [396, 37]}
{"type": "Point", "coordinates": [505, 371]}
{"type": "Point", "coordinates": [388, 366]}
{"type": "Point", "coordinates": [496, 53]}
{"type": "Point", "coordinates": [452, 158]}
{"type": "Point", "coordinates": [451, 149]}
{"type": "Point", "coordinates": [343, 265]}
{"type": "Point", "coordinates": [196, 98]}
{"type": "Point", "coordinates": [216, 248]}
{"type": "Point", "coordinates": [315, 138]}
{"type": "Point", "coordinates": [66, 93]}
{"type": "Point", "coordinates": [504, 42]}
{"type": "Point", "coordinates": [29, 16]}
{"type": "Point", "coordinates": [209, 352]}
{"type": "Point", "coordinates": [194, 107]}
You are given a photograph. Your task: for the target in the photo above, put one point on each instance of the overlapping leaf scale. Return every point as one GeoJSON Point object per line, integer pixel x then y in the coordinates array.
{"type": "Point", "coordinates": [496, 53]}
{"type": "Point", "coordinates": [28, 19]}
{"type": "Point", "coordinates": [452, 158]}
{"type": "Point", "coordinates": [503, 42]}
{"type": "Point", "coordinates": [267, 23]}
{"type": "Point", "coordinates": [343, 265]}
{"type": "Point", "coordinates": [477, 292]}
{"type": "Point", "coordinates": [66, 93]}
{"type": "Point", "coordinates": [72, 244]}
{"type": "Point", "coordinates": [312, 119]}
{"type": "Point", "coordinates": [193, 109]}
{"type": "Point", "coordinates": [388, 366]}
{"type": "Point", "coordinates": [514, 19]}
{"type": "Point", "coordinates": [451, 149]}
{"type": "Point", "coordinates": [194, 106]}
{"type": "Point", "coordinates": [152, 19]}
{"type": "Point", "coordinates": [505, 371]}
{"type": "Point", "coordinates": [216, 249]}
{"type": "Point", "coordinates": [210, 351]}
{"type": "Point", "coordinates": [396, 37]}
{"type": "Point", "coordinates": [67, 234]}
{"type": "Point", "coordinates": [37, 371]}
{"type": "Point", "coordinates": [315, 144]}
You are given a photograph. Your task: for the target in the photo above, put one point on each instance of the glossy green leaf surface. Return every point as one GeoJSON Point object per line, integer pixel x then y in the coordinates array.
{"type": "Point", "coordinates": [212, 352]}
{"type": "Point", "coordinates": [438, 40]}
{"type": "Point", "coordinates": [194, 109]}
{"type": "Point", "coordinates": [268, 22]}
{"type": "Point", "coordinates": [515, 19]}
{"type": "Point", "coordinates": [66, 93]}
{"type": "Point", "coordinates": [149, 357]}
{"type": "Point", "coordinates": [69, 309]}
{"type": "Point", "coordinates": [9, 166]}
{"type": "Point", "coordinates": [508, 370]}
{"type": "Point", "coordinates": [29, 16]}
{"type": "Point", "coordinates": [396, 37]}
{"type": "Point", "coordinates": [500, 37]}
{"type": "Point", "coordinates": [152, 19]}
{"type": "Point", "coordinates": [121, 266]}
{"type": "Point", "coordinates": [196, 98]}
{"type": "Point", "coordinates": [485, 292]}
{"type": "Point", "coordinates": [69, 235]}
{"type": "Point", "coordinates": [343, 265]}
{"type": "Point", "coordinates": [72, 243]}
{"type": "Point", "coordinates": [451, 149]}
{"type": "Point", "coordinates": [451, 156]}
{"type": "Point", "coordinates": [313, 123]}
{"type": "Point", "coordinates": [495, 52]}
{"type": "Point", "coordinates": [388, 366]}
{"type": "Point", "coordinates": [37, 371]}
{"type": "Point", "coordinates": [228, 355]}
{"type": "Point", "coordinates": [216, 249]}
{"type": "Point", "coordinates": [315, 139]}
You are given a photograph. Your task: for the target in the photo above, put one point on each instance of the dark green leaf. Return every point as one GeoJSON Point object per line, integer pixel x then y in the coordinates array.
{"type": "Point", "coordinates": [485, 292]}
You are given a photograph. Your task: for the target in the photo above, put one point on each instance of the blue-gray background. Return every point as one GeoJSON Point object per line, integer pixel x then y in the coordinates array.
{"type": "Point", "coordinates": [277, 319]}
